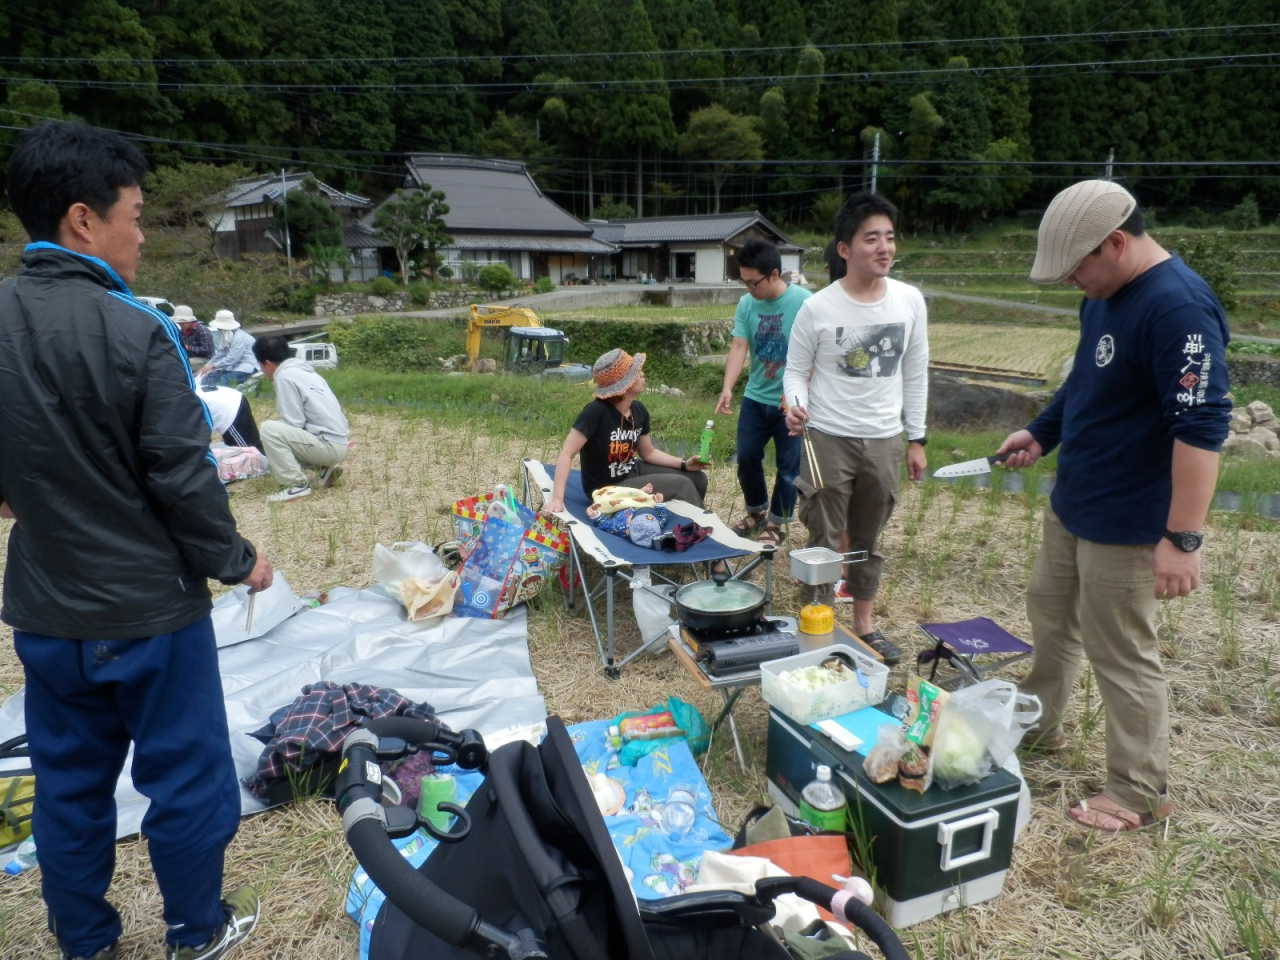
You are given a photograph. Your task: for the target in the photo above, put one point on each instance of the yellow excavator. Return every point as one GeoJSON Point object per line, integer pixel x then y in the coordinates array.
{"type": "Point", "coordinates": [528, 346]}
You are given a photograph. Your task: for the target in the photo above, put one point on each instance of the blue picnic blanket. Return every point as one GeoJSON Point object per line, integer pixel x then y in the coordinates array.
{"type": "Point", "coordinates": [656, 865]}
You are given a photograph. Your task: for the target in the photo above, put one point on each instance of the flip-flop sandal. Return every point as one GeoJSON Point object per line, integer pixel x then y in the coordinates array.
{"type": "Point", "coordinates": [750, 524]}
{"type": "Point", "coordinates": [1130, 821]}
{"type": "Point", "coordinates": [877, 642]}
{"type": "Point", "coordinates": [772, 534]}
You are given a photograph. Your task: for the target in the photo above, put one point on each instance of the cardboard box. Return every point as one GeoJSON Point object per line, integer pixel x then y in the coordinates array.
{"type": "Point", "coordinates": [929, 852]}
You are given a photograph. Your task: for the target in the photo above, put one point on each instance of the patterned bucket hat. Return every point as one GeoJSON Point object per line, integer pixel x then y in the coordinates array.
{"type": "Point", "coordinates": [615, 371]}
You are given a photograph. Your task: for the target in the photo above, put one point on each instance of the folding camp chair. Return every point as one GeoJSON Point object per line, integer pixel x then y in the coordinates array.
{"type": "Point", "coordinates": [617, 557]}
{"type": "Point", "coordinates": [960, 644]}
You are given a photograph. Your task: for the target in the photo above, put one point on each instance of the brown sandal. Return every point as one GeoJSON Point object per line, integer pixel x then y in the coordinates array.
{"type": "Point", "coordinates": [772, 535]}
{"type": "Point", "coordinates": [750, 524]}
{"type": "Point", "coordinates": [1094, 811]}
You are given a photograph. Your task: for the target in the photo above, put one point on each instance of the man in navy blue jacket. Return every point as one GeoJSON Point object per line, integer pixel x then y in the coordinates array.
{"type": "Point", "coordinates": [1138, 423]}
{"type": "Point", "coordinates": [120, 521]}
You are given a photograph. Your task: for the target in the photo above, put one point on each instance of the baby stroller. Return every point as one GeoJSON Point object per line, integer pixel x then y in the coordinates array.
{"type": "Point", "coordinates": [528, 870]}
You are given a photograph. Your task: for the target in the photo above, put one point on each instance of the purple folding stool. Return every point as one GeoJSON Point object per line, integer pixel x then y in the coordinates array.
{"type": "Point", "coordinates": [960, 644]}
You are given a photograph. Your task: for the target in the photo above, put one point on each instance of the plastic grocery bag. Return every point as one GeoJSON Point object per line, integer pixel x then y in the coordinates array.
{"type": "Point", "coordinates": [411, 571]}
{"type": "Point", "coordinates": [978, 729]}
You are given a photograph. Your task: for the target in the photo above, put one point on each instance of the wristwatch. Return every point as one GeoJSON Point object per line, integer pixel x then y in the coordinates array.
{"type": "Point", "coordinates": [1188, 541]}
{"type": "Point", "coordinates": [684, 464]}
{"type": "Point", "coordinates": [922, 440]}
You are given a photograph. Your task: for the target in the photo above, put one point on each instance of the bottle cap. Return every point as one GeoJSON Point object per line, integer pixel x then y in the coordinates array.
{"type": "Point", "coordinates": [711, 425]}
{"type": "Point", "coordinates": [823, 772]}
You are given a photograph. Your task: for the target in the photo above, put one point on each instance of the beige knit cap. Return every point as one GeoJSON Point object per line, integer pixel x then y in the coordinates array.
{"type": "Point", "coordinates": [1076, 223]}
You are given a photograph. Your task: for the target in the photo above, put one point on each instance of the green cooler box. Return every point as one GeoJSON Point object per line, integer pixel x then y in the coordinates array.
{"type": "Point", "coordinates": [932, 851]}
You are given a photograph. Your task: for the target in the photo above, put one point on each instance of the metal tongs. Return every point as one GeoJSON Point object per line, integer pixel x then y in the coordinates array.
{"type": "Point", "coordinates": [807, 442]}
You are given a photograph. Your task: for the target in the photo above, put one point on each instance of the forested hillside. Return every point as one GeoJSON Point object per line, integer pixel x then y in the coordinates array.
{"type": "Point", "coordinates": [674, 106]}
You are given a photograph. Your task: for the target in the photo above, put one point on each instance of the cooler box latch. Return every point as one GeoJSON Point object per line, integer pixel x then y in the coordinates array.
{"type": "Point", "coordinates": [947, 833]}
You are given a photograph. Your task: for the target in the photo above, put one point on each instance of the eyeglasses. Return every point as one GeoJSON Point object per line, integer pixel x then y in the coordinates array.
{"type": "Point", "coordinates": [752, 284]}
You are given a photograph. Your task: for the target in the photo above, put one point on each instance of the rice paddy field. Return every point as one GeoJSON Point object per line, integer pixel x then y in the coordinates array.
{"type": "Point", "coordinates": [1206, 887]}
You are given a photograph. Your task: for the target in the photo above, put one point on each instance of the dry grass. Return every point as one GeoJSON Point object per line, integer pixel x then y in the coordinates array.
{"type": "Point", "coordinates": [1040, 350]}
{"type": "Point", "coordinates": [953, 553]}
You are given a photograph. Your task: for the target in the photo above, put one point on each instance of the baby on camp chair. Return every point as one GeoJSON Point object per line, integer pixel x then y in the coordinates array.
{"type": "Point", "coordinates": [629, 512]}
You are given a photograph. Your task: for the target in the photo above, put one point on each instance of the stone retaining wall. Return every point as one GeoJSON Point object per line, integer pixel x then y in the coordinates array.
{"type": "Point", "coordinates": [346, 304]}
{"type": "Point", "coordinates": [1253, 368]}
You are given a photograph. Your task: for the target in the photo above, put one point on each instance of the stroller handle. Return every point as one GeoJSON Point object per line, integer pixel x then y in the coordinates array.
{"type": "Point", "coordinates": [368, 827]}
{"type": "Point", "coordinates": [856, 912]}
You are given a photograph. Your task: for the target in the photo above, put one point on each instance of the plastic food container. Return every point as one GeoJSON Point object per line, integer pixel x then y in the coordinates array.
{"type": "Point", "coordinates": [808, 706]}
{"type": "Point", "coordinates": [816, 565]}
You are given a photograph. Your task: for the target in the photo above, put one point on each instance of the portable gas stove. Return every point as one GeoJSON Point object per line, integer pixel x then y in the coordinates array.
{"type": "Point", "coordinates": [723, 652]}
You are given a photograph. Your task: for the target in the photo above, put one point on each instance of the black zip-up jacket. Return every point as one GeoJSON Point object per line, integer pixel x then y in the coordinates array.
{"type": "Point", "coordinates": [104, 460]}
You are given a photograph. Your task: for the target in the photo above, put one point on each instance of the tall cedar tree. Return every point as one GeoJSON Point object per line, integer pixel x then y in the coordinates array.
{"type": "Point", "coordinates": [960, 193]}
{"type": "Point", "coordinates": [444, 118]}
{"type": "Point", "coordinates": [848, 102]}
{"type": "Point", "coordinates": [638, 121]}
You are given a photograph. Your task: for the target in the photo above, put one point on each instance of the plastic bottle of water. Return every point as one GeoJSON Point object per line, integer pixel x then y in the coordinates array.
{"type": "Point", "coordinates": [822, 805]}
{"type": "Point", "coordinates": [24, 858]}
{"type": "Point", "coordinates": [704, 441]}
{"type": "Point", "coordinates": [678, 811]}
{"type": "Point", "coordinates": [614, 745]}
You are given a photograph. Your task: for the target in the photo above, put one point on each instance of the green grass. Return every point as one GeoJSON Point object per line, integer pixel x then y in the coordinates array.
{"type": "Point", "coordinates": [644, 312]}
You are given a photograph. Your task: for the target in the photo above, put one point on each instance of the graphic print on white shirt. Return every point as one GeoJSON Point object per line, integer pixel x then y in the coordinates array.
{"type": "Point", "coordinates": [871, 351]}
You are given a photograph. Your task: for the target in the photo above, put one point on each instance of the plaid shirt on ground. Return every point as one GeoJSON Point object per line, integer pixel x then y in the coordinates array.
{"type": "Point", "coordinates": [313, 727]}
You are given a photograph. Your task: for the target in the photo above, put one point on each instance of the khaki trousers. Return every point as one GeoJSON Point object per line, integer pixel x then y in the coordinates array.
{"type": "Point", "coordinates": [860, 488]}
{"type": "Point", "coordinates": [1097, 599]}
{"type": "Point", "coordinates": [288, 448]}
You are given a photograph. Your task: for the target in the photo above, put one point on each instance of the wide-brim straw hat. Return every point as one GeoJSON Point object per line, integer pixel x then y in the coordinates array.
{"type": "Point", "coordinates": [225, 320]}
{"type": "Point", "coordinates": [615, 371]}
{"type": "Point", "coordinates": [1076, 223]}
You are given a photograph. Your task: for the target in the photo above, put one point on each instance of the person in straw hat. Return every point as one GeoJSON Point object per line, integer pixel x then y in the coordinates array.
{"type": "Point", "coordinates": [233, 361]}
{"type": "Point", "coordinates": [1138, 425]}
{"type": "Point", "coordinates": [196, 338]}
{"type": "Point", "coordinates": [612, 436]}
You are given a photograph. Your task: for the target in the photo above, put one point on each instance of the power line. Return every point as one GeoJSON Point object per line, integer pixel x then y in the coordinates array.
{"type": "Point", "coordinates": [1146, 66]}
{"type": "Point", "coordinates": [1106, 36]}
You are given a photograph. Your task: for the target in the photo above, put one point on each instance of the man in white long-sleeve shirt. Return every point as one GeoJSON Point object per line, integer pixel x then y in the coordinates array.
{"type": "Point", "coordinates": [857, 375]}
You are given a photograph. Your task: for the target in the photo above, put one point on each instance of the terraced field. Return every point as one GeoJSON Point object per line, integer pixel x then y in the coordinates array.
{"type": "Point", "coordinates": [1039, 351]}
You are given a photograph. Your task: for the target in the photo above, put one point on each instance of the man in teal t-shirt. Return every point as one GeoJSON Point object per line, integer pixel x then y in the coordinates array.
{"type": "Point", "coordinates": [761, 328]}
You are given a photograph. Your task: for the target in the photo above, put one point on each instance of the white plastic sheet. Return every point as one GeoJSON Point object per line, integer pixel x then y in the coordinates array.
{"type": "Point", "coordinates": [476, 673]}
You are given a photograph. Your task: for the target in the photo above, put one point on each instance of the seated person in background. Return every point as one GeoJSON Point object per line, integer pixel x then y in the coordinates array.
{"type": "Point", "coordinates": [612, 434]}
{"type": "Point", "coordinates": [231, 415]}
{"type": "Point", "coordinates": [197, 341]}
{"type": "Point", "coordinates": [312, 429]}
{"type": "Point", "coordinates": [233, 362]}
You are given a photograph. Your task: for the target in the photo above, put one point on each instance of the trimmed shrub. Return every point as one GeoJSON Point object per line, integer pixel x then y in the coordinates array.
{"type": "Point", "coordinates": [543, 285]}
{"type": "Point", "coordinates": [383, 286]}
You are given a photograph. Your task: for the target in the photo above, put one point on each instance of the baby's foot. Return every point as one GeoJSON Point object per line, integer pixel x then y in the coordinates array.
{"type": "Point", "coordinates": [647, 488]}
{"type": "Point", "coordinates": [657, 497]}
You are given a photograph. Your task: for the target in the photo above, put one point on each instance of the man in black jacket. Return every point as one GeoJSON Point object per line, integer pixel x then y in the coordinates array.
{"type": "Point", "coordinates": [120, 518]}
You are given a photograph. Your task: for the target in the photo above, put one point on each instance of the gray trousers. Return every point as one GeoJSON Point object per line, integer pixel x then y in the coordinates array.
{"type": "Point", "coordinates": [289, 448]}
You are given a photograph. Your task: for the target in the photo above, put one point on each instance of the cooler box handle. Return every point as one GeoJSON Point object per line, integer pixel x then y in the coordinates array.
{"type": "Point", "coordinates": [947, 832]}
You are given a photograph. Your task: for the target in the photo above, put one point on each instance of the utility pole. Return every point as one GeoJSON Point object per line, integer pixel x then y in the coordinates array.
{"type": "Point", "coordinates": [288, 244]}
{"type": "Point", "coordinates": [1111, 158]}
{"type": "Point", "coordinates": [875, 160]}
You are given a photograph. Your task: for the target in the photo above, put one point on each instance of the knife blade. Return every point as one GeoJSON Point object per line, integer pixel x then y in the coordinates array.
{"type": "Point", "coordinates": [970, 468]}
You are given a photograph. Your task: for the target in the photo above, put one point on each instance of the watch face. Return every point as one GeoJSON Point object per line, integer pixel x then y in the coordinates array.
{"type": "Point", "coordinates": [1187, 542]}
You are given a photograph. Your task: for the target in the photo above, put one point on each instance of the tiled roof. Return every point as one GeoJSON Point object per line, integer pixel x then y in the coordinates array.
{"type": "Point", "coordinates": [712, 227]}
{"type": "Point", "coordinates": [493, 196]}
{"type": "Point", "coordinates": [255, 190]}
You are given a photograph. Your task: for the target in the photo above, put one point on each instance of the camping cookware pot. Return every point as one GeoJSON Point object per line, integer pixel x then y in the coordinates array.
{"type": "Point", "coordinates": [719, 604]}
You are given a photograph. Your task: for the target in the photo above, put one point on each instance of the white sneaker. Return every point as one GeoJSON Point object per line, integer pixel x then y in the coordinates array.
{"type": "Point", "coordinates": [328, 477]}
{"type": "Point", "coordinates": [291, 493]}
{"type": "Point", "coordinates": [842, 594]}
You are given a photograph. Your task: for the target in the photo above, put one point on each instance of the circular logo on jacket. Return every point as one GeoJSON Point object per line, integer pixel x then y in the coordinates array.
{"type": "Point", "coordinates": [1106, 350]}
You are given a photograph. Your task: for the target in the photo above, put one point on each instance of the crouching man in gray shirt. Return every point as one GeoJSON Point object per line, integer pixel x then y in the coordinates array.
{"type": "Point", "coordinates": [311, 431]}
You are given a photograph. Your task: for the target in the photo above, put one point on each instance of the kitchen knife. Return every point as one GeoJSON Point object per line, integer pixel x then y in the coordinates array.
{"type": "Point", "coordinates": [970, 468]}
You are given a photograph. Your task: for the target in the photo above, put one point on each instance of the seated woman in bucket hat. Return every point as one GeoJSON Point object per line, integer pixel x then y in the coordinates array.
{"type": "Point", "coordinates": [233, 362]}
{"type": "Point", "coordinates": [612, 436]}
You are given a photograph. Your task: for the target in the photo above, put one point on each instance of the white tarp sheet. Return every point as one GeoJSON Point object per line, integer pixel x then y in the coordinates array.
{"type": "Point", "coordinates": [475, 673]}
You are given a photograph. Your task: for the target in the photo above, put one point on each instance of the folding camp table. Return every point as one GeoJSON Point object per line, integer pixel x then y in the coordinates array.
{"type": "Point", "coordinates": [618, 556]}
{"type": "Point", "coordinates": [961, 644]}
